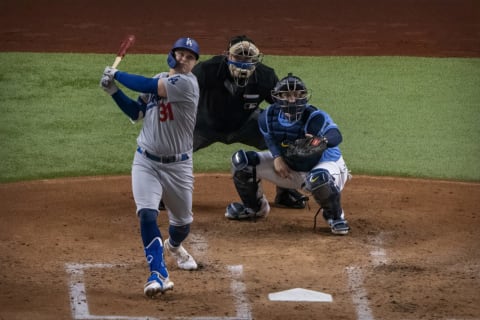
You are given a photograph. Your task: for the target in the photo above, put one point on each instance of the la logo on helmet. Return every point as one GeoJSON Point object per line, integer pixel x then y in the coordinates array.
{"type": "Point", "coordinates": [189, 42]}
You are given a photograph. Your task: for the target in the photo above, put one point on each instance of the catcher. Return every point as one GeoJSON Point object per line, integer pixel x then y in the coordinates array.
{"type": "Point", "coordinates": [303, 154]}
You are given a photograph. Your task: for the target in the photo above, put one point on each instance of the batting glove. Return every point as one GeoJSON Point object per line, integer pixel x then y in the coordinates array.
{"type": "Point", "coordinates": [110, 72]}
{"type": "Point", "coordinates": [108, 84]}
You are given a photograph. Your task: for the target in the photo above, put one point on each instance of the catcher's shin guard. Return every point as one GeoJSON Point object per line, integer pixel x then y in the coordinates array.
{"type": "Point", "coordinates": [245, 178]}
{"type": "Point", "coordinates": [320, 183]}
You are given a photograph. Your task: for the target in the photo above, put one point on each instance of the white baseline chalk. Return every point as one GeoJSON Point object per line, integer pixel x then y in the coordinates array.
{"type": "Point", "coordinates": [79, 302]}
{"type": "Point", "coordinates": [359, 294]}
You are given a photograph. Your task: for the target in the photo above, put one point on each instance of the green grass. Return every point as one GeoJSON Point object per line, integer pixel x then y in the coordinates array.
{"type": "Point", "coordinates": [400, 116]}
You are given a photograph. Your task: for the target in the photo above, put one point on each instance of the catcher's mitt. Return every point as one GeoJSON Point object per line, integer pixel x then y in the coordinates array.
{"type": "Point", "coordinates": [307, 147]}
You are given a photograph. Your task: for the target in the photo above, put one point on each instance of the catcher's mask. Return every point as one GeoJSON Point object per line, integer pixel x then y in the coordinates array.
{"type": "Point", "coordinates": [183, 43]}
{"type": "Point", "coordinates": [292, 96]}
{"type": "Point", "coordinates": [242, 59]}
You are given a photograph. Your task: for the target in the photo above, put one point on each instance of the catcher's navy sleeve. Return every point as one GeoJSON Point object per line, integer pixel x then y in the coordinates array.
{"type": "Point", "coordinates": [130, 107]}
{"type": "Point", "coordinates": [334, 137]}
{"type": "Point", "coordinates": [321, 124]}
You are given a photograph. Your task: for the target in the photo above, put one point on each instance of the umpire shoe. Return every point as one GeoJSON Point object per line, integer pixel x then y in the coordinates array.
{"type": "Point", "coordinates": [184, 260]}
{"type": "Point", "coordinates": [339, 226]}
{"type": "Point", "coordinates": [290, 198]}
{"type": "Point", "coordinates": [156, 284]}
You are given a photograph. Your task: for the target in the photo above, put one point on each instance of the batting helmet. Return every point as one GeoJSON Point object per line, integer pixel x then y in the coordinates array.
{"type": "Point", "coordinates": [242, 59]}
{"type": "Point", "coordinates": [183, 43]}
{"type": "Point", "coordinates": [292, 96]}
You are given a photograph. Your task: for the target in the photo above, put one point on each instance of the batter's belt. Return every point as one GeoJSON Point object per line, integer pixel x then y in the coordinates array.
{"type": "Point", "coordinates": [163, 159]}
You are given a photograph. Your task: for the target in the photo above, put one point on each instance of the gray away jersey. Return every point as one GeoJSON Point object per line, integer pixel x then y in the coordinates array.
{"type": "Point", "coordinates": [169, 122]}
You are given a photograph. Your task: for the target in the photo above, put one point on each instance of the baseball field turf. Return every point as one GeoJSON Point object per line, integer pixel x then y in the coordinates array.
{"type": "Point", "coordinates": [400, 116]}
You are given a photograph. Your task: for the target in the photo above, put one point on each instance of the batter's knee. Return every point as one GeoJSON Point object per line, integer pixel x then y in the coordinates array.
{"type": "Point", "coordinates": [147, 215]}
{"type": "Point", "coordinates": [178, 234]}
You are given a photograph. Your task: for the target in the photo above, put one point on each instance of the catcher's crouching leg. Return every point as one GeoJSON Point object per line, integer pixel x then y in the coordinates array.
{"type": "Point", "coordinates": [323, 189]}
{"type": "Point", "coordinates": [254, 204]}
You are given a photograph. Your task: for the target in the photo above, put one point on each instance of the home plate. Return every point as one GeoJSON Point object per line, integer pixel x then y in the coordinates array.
{"type": "Point", "coordinates": [299, 294]}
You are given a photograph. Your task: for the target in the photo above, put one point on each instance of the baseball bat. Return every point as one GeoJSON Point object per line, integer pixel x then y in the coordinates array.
{"type": "Point", "coordinates": [126, 43]}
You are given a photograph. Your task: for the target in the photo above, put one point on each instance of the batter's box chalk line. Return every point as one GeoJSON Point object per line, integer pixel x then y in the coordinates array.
{"type": "Point", "coordinates": [79, 302]}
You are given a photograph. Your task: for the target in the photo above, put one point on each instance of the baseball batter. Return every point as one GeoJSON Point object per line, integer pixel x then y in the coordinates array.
{"type": "Point", "coordinates": [162, 165]}
{"type": "Point", "coordinates": [323, 174]}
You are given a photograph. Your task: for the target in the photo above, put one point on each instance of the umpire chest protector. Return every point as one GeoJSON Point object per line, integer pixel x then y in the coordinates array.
{"type": "Point", "coordinates": [224, 107]}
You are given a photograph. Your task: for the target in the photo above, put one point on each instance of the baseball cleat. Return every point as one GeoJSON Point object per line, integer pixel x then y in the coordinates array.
{"type": "Point", "coordinates": [339, 226]}
{"type": "Point", "coordinates": [184, 260]}
{"type": "Point", "coordinates": [157, 284]}
{"type": "Point", "coordinates": [237, 211]}
{"type": "Point", "coordinates": [290, 198]}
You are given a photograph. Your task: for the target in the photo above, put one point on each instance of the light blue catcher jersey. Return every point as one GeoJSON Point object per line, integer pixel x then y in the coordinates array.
{"type": "Point", "coordinates": [169, 122]}
{"type": "Point", "coordinates": [278, 133]}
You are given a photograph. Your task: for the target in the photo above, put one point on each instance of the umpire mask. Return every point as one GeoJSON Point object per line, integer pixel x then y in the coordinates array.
{"type": "Point", "coordinates": [242, 59]}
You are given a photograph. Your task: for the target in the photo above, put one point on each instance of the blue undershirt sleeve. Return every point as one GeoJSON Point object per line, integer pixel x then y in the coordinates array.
{"type": "Point", "coordinates": [137, 83]}
{"type": "Point", "coordinates": [130, 107]}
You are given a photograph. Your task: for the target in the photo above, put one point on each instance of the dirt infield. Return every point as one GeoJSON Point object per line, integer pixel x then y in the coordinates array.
{"type": "Point", "coordinates": [70, 248]}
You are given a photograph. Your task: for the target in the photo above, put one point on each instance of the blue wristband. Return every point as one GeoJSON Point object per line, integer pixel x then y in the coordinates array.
{"type": "Point", "coordinates": [137, 83]}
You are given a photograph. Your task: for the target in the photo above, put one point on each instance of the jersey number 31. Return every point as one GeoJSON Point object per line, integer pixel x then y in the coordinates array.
{"type": "Point", "coordinates": [165, 112]}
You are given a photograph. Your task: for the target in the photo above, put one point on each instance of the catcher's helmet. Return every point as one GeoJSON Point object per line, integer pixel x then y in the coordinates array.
{"type": "Point", "coordinates": [242, 59]}
{"type": "Point", "coordinates": [292, 96]}
{"type": "Point", "coordinates": [183, 43]}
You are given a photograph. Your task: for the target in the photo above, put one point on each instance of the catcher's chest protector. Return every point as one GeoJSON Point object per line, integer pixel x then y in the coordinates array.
{"type": "Point", "coordinates": [292, 131]}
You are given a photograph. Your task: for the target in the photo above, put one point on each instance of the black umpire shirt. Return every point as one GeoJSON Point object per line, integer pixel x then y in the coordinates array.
{"type": "Point", "coordinates": [223, 106]}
